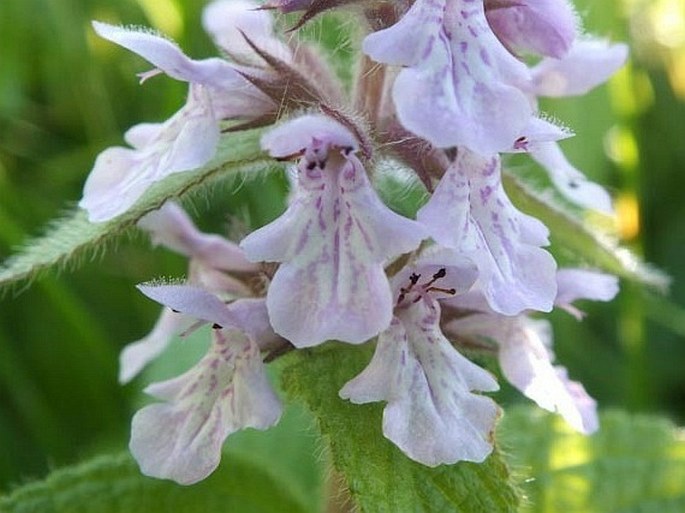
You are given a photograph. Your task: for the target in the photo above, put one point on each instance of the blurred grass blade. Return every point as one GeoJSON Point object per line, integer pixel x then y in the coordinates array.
{"type": "Point", "coordinates": [588, 245]}
{"type": "Point", "coordinates": [632, 464]}
{"type": "Point", "coordinates": [74, 237]}
{"type": "Point", "coordinates": [113, 484]}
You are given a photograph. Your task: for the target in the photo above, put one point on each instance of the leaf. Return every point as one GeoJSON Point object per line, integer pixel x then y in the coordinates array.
{"type": "Point", "coordinates": [379, 477]}
{"type": "Point", "coordinates": [113, 484]}
{"type": "Point", "coordinates": [71, 238]}
{"type": "Point", "coordinates": [633, 464]}
{"type": "Point", "coordinates": [569, 232]}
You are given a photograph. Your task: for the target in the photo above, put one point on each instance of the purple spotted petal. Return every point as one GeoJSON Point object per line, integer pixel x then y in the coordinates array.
{"type": "Point", "coordinates": [333, 241]}
{"type": "Point", "coordinates": [543, 27]}
{"type": "Point", "coordinates": [432, 414]}
{"type": "Point", "coordinates": [408, 41]}
{"type": "Point", "coordinates": [589, 63]}
{"type": "Point", "coordinates": [471, 213]}
{"type": "Point", "coordinates": [228, 390]}
{"type": "Point", "coordinates": [461, 86]}
{"type": "Point", "coordinates": [121, 176]}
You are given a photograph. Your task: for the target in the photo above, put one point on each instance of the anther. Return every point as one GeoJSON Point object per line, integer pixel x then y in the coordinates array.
{"type": "Point", "coordinates": [440, 274]}
{"type": "Point", "coordinates": [216, 326]}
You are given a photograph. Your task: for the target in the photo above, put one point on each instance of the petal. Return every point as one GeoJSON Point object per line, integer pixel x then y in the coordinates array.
{"type": "Point", "coordinates": [470, 213]}
{"type": "Point", "coordinates": [121, 176]}
{"type": "Point", "coordinates": [406, 41]}
{"type": "Point", "coordinates": [226, 391]}
{"type": "Point", "coordinates": [136, 355]}
{"type": "Point", "coordinates": [573, 184]}
{"type": "Point", "coordinates": [164, 54]}
{"type": "Point", "coordinates": [292, 137]}
{"type": "Point", "coordinates": [589, 63]}
{"type": "Point", "coordinates": [574, 284]}
{"type": "Point", "coordinates": [526, 363]}
{"type": "Point", "coordinates": [253, 318]}
{"type": "Point", "coordinates": [230, 21]}
{"type": "Point", "coordinates": [192, 301]}
{"type": "Point", "coordinates": [432, 414]}
{"type": "Point", "coordinates": [543, 27]}
{"type": "Point", "coordinates": [171, 226]}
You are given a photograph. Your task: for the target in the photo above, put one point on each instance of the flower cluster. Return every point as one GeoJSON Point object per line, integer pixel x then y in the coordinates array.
{"type": "Point", "coordinates": [444, 91]}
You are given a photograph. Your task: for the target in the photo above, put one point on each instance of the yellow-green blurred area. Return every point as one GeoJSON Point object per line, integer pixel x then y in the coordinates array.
{"type": "Point", "coordinates": [65, 95]}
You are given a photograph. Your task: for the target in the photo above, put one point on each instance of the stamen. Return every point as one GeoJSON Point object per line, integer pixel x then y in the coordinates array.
{"type": "Point", "coordinates": [216, 326]}
{"type": "Point", "coordinates": [451, 292]}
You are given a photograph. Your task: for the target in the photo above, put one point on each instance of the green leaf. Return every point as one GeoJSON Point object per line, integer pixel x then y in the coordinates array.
{"type": "Point", "coordinates": [113, 484]}
{"type": "Point", "coordinates": [74, 237]}
{"type": "Point", "coordinates": [379, 476]}
{"type": "Point", "coordinates": [585, 243]}
{"type": "Point", "coordinates": [632, 464]}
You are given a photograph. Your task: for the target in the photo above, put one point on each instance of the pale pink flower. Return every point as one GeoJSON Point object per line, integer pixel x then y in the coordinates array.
{"type": "Point", "coordinates": [433, 413]}
{"type": "Point", "coordinates": [332, 241]}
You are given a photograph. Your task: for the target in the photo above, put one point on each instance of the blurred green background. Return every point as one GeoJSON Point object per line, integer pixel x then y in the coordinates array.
{"type": "Point", "coordinates": [65, 96]}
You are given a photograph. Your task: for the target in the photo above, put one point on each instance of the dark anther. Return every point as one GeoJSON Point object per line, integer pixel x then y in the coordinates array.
{"type": "Point", "coordinates": [414, 278]}
{"type": "Point", "coordinates": [322, 163]}
{"type": "Point", "coordinates": [440, 274]}
{"type": "Point", "coordinates": [175, 311]}
{"type": "Point", "coordinates": [216, 326]}
{"type": "Point", "coordinates": [573, 184]}
{"type": "Point", "coordinates": [347, 150]}
{"type": "Point", "coordinates": [311, 165]}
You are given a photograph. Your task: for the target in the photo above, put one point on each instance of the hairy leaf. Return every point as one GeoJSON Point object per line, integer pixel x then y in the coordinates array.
{"type": "Point", "coordinates": [74, 237]}
{"type": "Point", "coordinates": [378, 476]}
{"type": "Point", "coordinates": [634, 464]}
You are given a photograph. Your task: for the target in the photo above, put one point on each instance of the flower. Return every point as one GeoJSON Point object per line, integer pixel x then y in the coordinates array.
{"type": "Point", "coordinates": [460, 86]}
{"type": "Point", "coordinates": [432, 413]}
{"type": "Point", "coordinates": [525, 346]}
{"type": "Point", "coordinates": [188, 139]}
{"type": "Point", "coordinates": [471, 213]}
{"type": "Point", "coordinates": [227, 390]}
{"type": "Point", "coordinates": [211, 258]}
{"type": "Point", "coordinates": [588, 63]}
{"type": "Point", "coordinates": [332, 241]}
